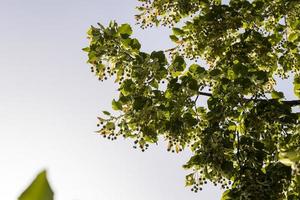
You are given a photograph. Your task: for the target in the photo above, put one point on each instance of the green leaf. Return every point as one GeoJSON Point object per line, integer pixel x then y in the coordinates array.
{"type": "Point", "coordinates": [196, 69]}
{"type": "Point", "coordinates": [177, 31]}
{"type": "Point", "coordinates": [226, 195]}
{"type": "Point", "coordinates": [135, 44]}
{"type": "Point", "coordinates": [125, 30]}
{"type": "Point", "coordinates": [86, 49]}
{"type": "Point", "coordinates": [106, 113]}
{"type": "Point", "coordinates": [193, 84]}
{"type": "Point", "coordinates": [173, 38]}
{"type": "Point", "coordinates": [178, 64]}
{"type": "Point", "coordinates": [39, 189]}
{"type": "Point", "coordinates": [227, 168]}
{"type": "Point", "coordinates": [110, 125]}
{"type": "Point", "coordinates": [277, 95]}
{"type": "Point", "coordinates": [189, 180]}
{"type": "Point", "coordinates": [139, 103]}
{"type": "Point", "coordinates": [131, 43]}
{"type": "Point", "coordinates": [286, 161]}
{"type": "Point", "coordinates": [292, 155]}
{"type": "Point", "coordinates": [193, 68]}
{"type": "Point", "coordinates": [215, 72]}
{"type": "Point", "coordinates": [90, 31]}
{"type": "Point", "coordinates": [127, 87]}
{"type": "Point", "coordinates": [261, 75]}
{"type": "Point", "coordinates": [297, 86]}
{"type": "Point", "coordinates": [240, 69]}
{"type": "Point", "coordinates": [232, 127]}
{"type": "Point", "coordinates": [194, 160]}
{"type": "Point", "coordinates": [159, 55]}
{"type": "Point", "coordinates": [116, 105]}
{"type": "Point", "coordinates": [168, 94]}
{"type": "Point", "coordinates": [293, 36]}
{"type": "Point", "coordinates": [154, 84]}
{"type": "Point", "coordinates": [126, 42]}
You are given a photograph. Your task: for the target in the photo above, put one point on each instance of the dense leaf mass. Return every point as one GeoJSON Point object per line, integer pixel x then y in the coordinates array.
{"type": "Point", "coordinates": [244, 134]}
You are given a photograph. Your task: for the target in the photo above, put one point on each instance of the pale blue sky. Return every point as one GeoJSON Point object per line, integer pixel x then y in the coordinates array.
{"type": "Point", "coordinates": [49, 102]}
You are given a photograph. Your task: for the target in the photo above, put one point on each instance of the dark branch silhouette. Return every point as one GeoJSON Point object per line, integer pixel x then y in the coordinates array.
{"type": "Point", "coordinates": [290, 102]}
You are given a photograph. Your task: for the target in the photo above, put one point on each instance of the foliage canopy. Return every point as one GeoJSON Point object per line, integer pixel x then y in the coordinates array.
{"type": "Point", "coordinates": [244, 134]}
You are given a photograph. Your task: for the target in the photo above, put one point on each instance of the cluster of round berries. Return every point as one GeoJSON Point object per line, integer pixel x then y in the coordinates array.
{"type": "Point", "coordinates": [199, 183]}
{"type": "Point", "coordinates": [141, 144]}
{"type": "Point", "coordinates": [224, 183]}
{"type": "Point", "coordinates": [200, 180]}
{"type": "Point", "coordinates": [108, 131]}
{"type": "Point", "coordinates": [111, 132]}
{"type": "Point", "coordinates": [174, 146]}
{"type": "Point", "coordinates": [166, 13]}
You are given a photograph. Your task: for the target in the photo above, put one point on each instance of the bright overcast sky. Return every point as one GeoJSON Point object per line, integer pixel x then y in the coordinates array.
{"type": "Point", "coordinates": [49, 102]}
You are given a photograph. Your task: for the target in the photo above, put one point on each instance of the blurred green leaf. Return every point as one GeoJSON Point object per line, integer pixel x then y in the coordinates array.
{"type": "Point", "coordinates": [39, 189]}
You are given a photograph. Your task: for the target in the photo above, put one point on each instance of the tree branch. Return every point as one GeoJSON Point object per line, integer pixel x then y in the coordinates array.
{"type": "Point", "coordinates": [205, 94]}
{"type": "Point", "coordinates": [290, 103]}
